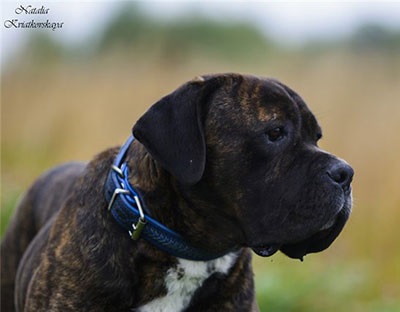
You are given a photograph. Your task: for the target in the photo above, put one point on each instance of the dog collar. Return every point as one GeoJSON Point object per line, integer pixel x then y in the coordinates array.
{"type": "Point", "coordinates": [125, 206]}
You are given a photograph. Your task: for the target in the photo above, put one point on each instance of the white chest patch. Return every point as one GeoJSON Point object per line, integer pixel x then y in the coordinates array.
{"type": "Point", "coordinates": [183, 280]}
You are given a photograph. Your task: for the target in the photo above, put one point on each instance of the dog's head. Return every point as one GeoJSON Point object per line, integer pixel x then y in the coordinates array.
{"type": "Point", "coordinates": [246, 147]}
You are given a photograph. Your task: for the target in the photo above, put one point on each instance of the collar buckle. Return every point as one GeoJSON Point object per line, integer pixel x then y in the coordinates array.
{"type": "Point", "coordinates": [139, 226]}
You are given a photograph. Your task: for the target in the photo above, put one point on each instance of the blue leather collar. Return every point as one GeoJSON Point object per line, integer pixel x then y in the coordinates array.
{"type": "Point", "coordinates": [125, 206]}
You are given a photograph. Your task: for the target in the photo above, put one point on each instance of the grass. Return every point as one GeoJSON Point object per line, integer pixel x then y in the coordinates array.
{"type": "Point", "coordinates": [8, 202]}
{"type": "Point", "coordinates": [70, 112]}
{"type": "Point", "coordinates": [314, 286]}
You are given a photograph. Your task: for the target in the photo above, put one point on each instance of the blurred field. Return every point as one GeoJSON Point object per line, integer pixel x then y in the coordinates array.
{"type": "Point", "coordinates": [71, 111]}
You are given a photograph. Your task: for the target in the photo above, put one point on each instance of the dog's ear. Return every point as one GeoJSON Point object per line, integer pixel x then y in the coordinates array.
{"type": "Point", "coordinates": [172, 131]}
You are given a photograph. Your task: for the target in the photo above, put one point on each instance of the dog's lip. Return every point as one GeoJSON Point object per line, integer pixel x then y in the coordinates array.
{"type": "Point", "coordinates": [328, 225]}
{"type": "Point", "coordinates": [319, 241]}
{"type": "Point", "coordinates": [266, 250]}
{"type": "Point", "coordinates": [300, 249]}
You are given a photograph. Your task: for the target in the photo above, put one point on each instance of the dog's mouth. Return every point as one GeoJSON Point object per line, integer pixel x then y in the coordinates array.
{"type": "Point", "coordinates": [319, 241]}
{"type": "Point", "coordinates": [316, 243]}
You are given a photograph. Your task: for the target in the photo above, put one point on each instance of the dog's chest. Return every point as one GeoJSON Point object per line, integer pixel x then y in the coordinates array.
{"type": "Point", "coordinates": [183, 280]}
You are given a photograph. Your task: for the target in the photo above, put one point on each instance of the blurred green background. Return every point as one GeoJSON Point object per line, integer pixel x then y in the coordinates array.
{"type": "Point", "coordinates": [64, 101]}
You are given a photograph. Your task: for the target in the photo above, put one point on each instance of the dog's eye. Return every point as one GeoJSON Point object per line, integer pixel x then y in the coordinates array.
{"type": "Point", "coordinates": [275, 134]}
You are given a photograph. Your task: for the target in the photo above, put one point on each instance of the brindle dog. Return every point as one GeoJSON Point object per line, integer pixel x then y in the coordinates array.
{"type": "Point", "coordinates": [229, 161]}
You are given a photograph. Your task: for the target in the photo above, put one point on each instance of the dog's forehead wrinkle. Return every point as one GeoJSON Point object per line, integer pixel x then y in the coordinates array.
{"type": "Point", "coordinates": [309, 124]}
{"type": "Point", "coordinates": [263, 108]}
{"type": "Point", "coordinates": [243, 107]}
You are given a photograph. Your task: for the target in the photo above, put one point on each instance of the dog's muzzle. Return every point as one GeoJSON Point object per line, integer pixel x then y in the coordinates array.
{"type": "Point", "coordinates": [340, 175]}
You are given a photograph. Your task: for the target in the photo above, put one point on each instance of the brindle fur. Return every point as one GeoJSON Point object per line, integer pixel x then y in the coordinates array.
{"type": "Point", "coordinates": [222, 186]}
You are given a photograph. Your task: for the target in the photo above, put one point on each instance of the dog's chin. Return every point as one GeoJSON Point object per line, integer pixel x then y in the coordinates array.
{"type": "Point", "coordinates": [319, 241]}
{"type": "Point", "coordinates": [315, 243]}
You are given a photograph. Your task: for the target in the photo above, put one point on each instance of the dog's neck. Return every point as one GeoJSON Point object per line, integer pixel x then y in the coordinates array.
{"type": "Point", "coordinates": [177, 206]}
{"type": "Point", "coordinates": [149, 179]}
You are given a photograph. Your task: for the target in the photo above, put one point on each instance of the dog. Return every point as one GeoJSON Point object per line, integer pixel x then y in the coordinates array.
{"type": "Point", "coordinates": [224, 165]}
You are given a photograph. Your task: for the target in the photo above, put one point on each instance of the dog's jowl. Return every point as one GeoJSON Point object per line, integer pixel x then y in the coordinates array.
{"type": "Point", "coordinates": [224, 165]}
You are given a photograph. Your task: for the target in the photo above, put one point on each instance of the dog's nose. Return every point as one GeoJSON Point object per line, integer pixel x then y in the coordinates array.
{"type": "Point", "coordinates": [341, 173]}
